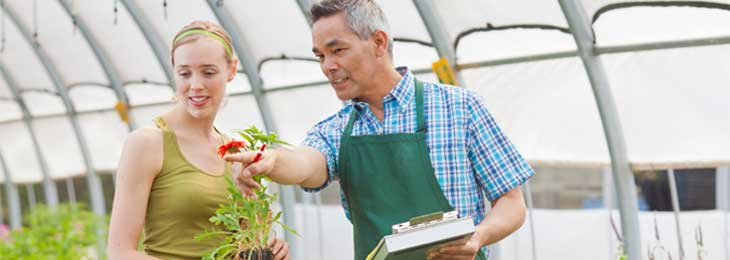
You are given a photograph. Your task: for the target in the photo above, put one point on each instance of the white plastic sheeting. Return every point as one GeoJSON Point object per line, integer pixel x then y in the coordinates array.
{"type": "Point", "coordinates": [71, 54]}
{"type": "Point", "coordinates": [547, 110]}
{"type": "Point", "coordinates": [19, 154]}
{"type": "Point", "coordinates": [670, 101]}
{"type": "Point", "coordinates": [122, 41]}
{"type": "Point", "coordinates": [671, 111]}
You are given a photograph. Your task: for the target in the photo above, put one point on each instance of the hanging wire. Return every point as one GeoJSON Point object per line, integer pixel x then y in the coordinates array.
{"type": "Point", "coordinates": [35, 20]}
{"type": "Point", "coordinates": [701, 253]}
{"type": "Point", "coordinates": [116, 11]}
{"type": "Point", "coordinates": [657, 250]}
{"type": "Point", "coordinates": [73, 17]}
{"type": "Point", "coordinates": [2, 26]}
{"type": "Point", "coordinates": [164, 7]}
{"type": "Point", "coordinates": [620, 252]}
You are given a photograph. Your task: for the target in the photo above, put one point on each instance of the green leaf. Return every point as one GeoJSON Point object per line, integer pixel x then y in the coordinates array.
{"type": "Point", "coordinates": [254, 212]}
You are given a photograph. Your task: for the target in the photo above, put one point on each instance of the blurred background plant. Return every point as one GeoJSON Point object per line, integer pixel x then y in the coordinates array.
{"type": "Point", "coordinates": [67, 232]}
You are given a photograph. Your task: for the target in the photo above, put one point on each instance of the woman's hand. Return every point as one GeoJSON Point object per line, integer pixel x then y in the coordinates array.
{"type": "Point", "coordinates": [280, 249]}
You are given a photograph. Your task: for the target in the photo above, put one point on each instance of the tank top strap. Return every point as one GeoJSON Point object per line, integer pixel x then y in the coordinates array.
{"type": "Point", "coordinates": [224, 137]}
{"type": "Point", "coordinates": [171, 152]}
{"type": "Point", "coordinates": [160, 122]}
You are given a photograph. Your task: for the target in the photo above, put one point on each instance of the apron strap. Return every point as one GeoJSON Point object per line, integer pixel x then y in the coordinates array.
{"type": "Point", "coordinates": [419, 107]}
{"type": "Point", "coordinates": [421, 127]}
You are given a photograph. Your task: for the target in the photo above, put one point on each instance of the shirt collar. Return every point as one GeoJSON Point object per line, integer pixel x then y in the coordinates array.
{"type": "Point", "coordinates": [403, 92]}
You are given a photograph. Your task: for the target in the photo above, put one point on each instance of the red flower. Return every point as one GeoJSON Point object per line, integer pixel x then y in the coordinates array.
{"type": "Point", "coordinates": [230, 147]}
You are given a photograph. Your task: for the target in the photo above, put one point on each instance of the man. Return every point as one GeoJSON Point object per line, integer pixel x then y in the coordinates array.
{"type": "Point", "coordinates": [403, 148]}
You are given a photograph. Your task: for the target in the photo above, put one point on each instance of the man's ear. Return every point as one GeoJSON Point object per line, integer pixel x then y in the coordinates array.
{"type": "Point", "coordinates": [380, 39]}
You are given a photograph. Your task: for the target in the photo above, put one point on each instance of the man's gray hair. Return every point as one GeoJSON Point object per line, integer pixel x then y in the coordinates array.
{"type": "Point", "coordinates": [364, 17]}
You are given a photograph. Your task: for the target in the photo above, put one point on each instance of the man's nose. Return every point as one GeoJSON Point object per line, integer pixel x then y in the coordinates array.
{"type": "Point", "coordinates": [330, 65]}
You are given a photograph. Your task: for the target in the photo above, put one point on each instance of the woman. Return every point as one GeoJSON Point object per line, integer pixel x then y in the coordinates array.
{"type": "Point", "coordinates": [170, 179]}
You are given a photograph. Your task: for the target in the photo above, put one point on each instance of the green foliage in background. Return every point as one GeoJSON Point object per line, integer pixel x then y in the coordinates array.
{"type": "Point", "coordinates": [68, 232]}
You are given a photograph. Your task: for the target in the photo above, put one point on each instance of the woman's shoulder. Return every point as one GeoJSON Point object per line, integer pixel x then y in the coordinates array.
{"type": "Point", "coordinates": [143, 151]}
{"type": "Point", "coordinates": [145, 137]}
{"type": "Point", "coordinates": [144, 141]}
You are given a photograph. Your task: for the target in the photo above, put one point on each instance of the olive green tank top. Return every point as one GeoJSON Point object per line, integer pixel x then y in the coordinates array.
{"type": "Point", "coordinates": [182, 199]}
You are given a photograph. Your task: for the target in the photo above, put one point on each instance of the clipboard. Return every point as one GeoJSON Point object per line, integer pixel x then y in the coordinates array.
{"type": "Point", "coordinates": [414, 238]}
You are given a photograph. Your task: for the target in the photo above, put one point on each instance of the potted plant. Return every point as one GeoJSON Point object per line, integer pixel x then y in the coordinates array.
{"type": "Point", "coordinates": [247, 220]}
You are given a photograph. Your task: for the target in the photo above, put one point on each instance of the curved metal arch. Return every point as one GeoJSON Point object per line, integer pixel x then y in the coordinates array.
{"type": "Point", "coordinates": [49, 187]}
{"type": "Point", "coordinates": [144, 81]}
{"type": "Point", "coordinates": [89, 84]}
{"type": "Point", "coordinates": [111, 72]}
{"type": "Point", "coordinates": [304, 6]}
{"type": "Point", "coordinates": [580, 27]}
{"type": "Point", "coordinates": [283, 57]}
{"type": "Point", "coordinates": [409, 40]}
{"type": "Point", "coordinates": [489, 27]}
{"type": "Point", "coordinates": [700, 4]}
{"type": "Point", "coordinates": [95, 189]}
{"type": "Point", "coordinates": [158, 46]}
{"type": "Point", "coordinates": [11, 192]}
{"type": "Point", "coordinates": [439, 36]}
{"type": "Point", "coordinates": [38, 90]}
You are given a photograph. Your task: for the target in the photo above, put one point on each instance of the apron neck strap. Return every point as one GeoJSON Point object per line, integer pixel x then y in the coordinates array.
{"type": "Point", "coordinates": [419, 111]}
{"type": "Point", "coordinates": [419, 106]}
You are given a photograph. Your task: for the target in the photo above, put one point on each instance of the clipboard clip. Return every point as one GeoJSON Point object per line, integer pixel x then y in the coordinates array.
{"type": "Point", "coordinates": [425, 220]}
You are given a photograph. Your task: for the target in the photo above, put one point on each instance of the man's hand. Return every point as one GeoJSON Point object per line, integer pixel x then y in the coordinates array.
{"type": "Point", "coordinates": [465, 249]}
{"type": "Point", "coordinates": [244, 168]}
{"type": "Point", "coordinates": [244, 181]}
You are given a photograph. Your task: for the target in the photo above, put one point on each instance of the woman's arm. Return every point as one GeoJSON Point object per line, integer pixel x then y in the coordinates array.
{"type": "Point", "coordinates": [140, 162]}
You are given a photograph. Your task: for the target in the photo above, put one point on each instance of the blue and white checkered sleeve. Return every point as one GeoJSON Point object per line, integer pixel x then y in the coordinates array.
{"type": "Point", "coordinates": [497, 165]}
{"type": "Point", "coordinates": [318, 139]}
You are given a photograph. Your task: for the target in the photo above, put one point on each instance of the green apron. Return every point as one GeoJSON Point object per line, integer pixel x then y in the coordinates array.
{"type": "Point", "coordinates": [388, 179]}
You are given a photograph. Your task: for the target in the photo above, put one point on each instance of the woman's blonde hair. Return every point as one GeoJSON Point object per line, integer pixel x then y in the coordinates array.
{"type": "Point", "coordinates": [209, 27]}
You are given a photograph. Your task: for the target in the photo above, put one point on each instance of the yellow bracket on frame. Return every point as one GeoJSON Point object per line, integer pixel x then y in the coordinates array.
{"type": "Point", "coordinates": [123, 111]}
{"type": "Point", "coordinates": [443, 71]}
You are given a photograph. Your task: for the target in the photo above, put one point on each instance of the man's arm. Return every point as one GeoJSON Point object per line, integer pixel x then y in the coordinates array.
{"type": "Point", "coordinates": [497, 164]}
{"type": "Point", "coordinates": [304, 166]}
{"type": "Point", "coordinates": [507, 215]}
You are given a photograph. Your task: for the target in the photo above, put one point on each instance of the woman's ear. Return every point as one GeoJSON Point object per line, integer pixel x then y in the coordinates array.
{"type": "Point", "coordinates": [232, 70]}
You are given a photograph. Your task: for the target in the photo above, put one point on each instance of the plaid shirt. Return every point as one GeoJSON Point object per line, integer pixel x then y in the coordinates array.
{"type": "Point", "coordinates": [470, 155]}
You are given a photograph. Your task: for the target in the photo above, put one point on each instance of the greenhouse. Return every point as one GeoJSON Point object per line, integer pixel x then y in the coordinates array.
{"type": "Point", "coordinates": [621, 108]}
